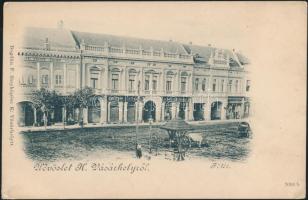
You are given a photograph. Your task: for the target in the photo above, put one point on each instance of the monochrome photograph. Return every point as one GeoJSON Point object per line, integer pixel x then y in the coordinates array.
{"type": "Point", "coordinates": [154, 96]}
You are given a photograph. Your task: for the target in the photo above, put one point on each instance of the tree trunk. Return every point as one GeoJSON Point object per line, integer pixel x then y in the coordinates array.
{"type": "Point", "coordinates": [64, 116]}
{"type": "Point", "coordinates": [81, 117]}
{"type": "Point", "coordinates": [45, 120]}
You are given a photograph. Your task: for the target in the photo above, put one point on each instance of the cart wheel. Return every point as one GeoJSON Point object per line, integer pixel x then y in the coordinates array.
{"type": "Point", "coordinates": [186, 143]}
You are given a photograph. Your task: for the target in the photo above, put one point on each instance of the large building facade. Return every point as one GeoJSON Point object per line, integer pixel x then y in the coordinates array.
{"type": "Point", "coordinates": [134, 79]}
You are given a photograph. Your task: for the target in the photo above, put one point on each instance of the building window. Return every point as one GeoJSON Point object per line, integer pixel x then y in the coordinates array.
{"type": "Point", "coordinates": [154, 83]}
{"type": "Point", "coordinates": [115, 81]}
{"type": "Point", "coordinates": [222, 85]}
{"type": "Point", "coordinates": [45, 79]}
{"type": "Point", "coordinates": [247, 85]}
{"type": "Point", "coordinates": [131, 83]}
{"type": "Point", "coordinates": [58, 79]}
{"type": "Point", "coordinates": [94, 82]}
{"type": "Point", "coordinates": [196, 84]}
{"type": "Point", "coordinates": [30, 80]}
{"type": "Point", "coordinates": [230, 86]}
{"type": "Point", "coordinates": [203, 85]}
{"type": "Point", "coordinates": [147, 82]}
{"type": "Point", "coordinates": [94, 77]}
{"type": "Point", "coordinates": [169, 84]}
{"type": "Point", "coordinates": [183, 84]}
{"type": "Point", "coordinates": [236, 86]}
{"type": "Point", "coordinates": [214, 85]}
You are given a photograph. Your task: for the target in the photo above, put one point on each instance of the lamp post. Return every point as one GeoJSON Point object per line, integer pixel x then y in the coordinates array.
{"type": "Point", "coordinates": [208, 101]}
{"type": "Point", "coordinates": [137, 126]}
{"type": "Point", "coordinates": [150, 121]}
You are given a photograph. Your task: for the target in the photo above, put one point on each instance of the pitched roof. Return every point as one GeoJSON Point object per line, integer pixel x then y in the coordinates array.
{"type": "Point", "coordinates": [128, 42]}
{"type": "Point", "coordinates": [63, 39]}
{"type": "Point", "coordinates": [200, 51]}
{"type": "Point", "coordinates": [203, 54]}
{"type": "Point", "coordinates": [57, 38]}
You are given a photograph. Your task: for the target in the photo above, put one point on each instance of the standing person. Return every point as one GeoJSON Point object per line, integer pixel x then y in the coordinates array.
{"type": "Point", "coordinates": [138, 151]}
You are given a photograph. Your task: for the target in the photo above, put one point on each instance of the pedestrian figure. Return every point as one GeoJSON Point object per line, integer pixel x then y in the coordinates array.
{"type": "Point", "coordinates": [138, 151]}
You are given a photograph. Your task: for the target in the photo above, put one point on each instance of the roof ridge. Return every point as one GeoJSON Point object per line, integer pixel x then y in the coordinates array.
{"type": "Point", "coordinates": [129, 37]}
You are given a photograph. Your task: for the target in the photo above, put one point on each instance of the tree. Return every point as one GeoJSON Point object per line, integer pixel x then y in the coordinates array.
{"type": "Point", "coordinates": [82, 99]}
{"type": "Point", "coordinates": [67, 102]}
{"type": "Point", "coordinates": [45, 101]}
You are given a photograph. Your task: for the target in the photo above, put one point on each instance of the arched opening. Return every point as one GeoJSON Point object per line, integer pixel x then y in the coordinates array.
{"type": "Point", "coordinates": [182, 110]}
{"type": "Point", "coordinates": [169, 82]}
{"type": "Point", "coordinates": [246, 109]}
{"type": "Point", "coordinates": [149, 111]}
{"type": "Point", "coordinates": [198, 113]}
{"type": "Point", "coordinates": [132, 73]}
{"type": "Point", "coordinates": [94, 78]}
{"type": "Point", "coordinates": [184, 77]}
{"type": "Point", "coordinates": [26, 113]}
{"type": "Point", "coordinates": [94, 114]}
{"type": "Point", "coordinates": [114, 111]}
{"type": "Point", "coordinates": [94, 110]}
{"type": "Point", "coordinates": [58, 111]}
{"type": "Point", "coordinates": [131, 110]}
{"type": "Point", "coordinates": [71, 116]}
{"type": "Point", "coordinates": [168, 111]}
{"type": "Point", "coordinates": [216, 108]}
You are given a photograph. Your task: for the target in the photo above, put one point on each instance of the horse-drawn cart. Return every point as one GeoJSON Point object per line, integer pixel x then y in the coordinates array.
{"type": "Point", "coordinates": [179, 140]}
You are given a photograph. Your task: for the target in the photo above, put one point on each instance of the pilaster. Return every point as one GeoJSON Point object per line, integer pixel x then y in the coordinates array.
{"type": "Point", "coordinates": [85, 115]}
{"type": "Point", "coordinates": [125, 112]}
{"type": "Point", "coordinates": [51, 76]}
{"type": "Point", "coordinates": [38, 79]}
{"type": "Point", "coordinates": [64, 78]}
{"type": "Point", "coordinates": [191, 110]}
{"type": "Point", "coordinates": [104, 116]}
{"type": "Point", "coordinates": [121, 111]}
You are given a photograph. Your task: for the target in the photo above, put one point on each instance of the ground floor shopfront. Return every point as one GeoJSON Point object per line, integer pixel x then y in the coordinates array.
{"type": "Point", "coordinates": [127, 109]}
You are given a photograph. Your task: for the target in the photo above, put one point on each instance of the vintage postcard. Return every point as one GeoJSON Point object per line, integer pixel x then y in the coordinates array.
{"type": "Point", "coordinates": [154, 100]}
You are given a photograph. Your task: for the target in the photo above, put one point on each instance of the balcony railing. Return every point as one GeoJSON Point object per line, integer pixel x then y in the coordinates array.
{"type": "Point", "coordinates": [132, 91]}
{"type": "Point", "coordinates": [168, 92]}
{"type": "Point", "coordinates": [114, 91]}
{"type": "Point", "coordinates": [140, 53]}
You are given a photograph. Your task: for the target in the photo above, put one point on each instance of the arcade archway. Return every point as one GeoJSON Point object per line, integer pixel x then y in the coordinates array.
{"type": "Point", "coordinates": [198, 113]}
{"type": "Point", "coordinates": [114, 111]}
{"type": "Point", "coordinates": [131, 110]}
{"type": "Point", "coordinates": [149, 111]}
{"type": "Point", "coordinates": [216, 108]}
{"type": "Point", "coordinates": [26, 113]}
{"type": "Point", "coordinates": [182, 109]}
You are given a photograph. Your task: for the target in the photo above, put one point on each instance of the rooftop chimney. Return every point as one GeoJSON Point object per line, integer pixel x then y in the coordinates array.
{"type": "Point", "coordinates": [60, 24]}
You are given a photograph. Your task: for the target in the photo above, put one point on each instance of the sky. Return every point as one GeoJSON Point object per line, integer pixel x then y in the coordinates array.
{"type": "Point", "coordinates": [234, 25]}
{"type": "Point", "coordinates": [221, 25]}
{"type": "Point", "coordinates": [257, 29]}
